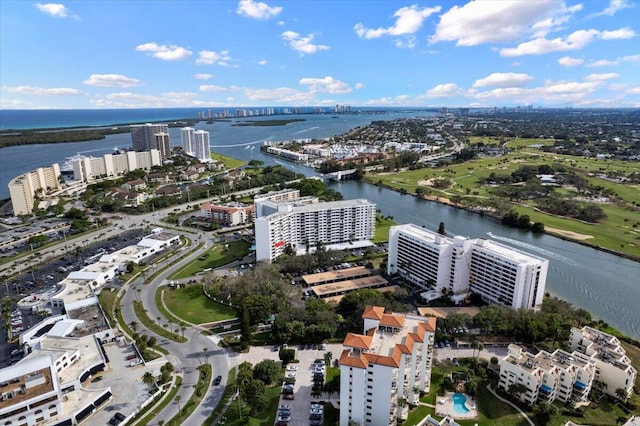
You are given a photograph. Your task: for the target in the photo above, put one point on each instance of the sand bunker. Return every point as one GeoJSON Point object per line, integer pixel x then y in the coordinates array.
{"type": "Point", "coordinates": [567, 234]}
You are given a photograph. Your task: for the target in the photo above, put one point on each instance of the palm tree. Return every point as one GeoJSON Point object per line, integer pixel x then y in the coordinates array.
{"type": "Point", "coordinates": [178, 399]}
{"type": "Point", "coordinates": [480, 347]}
{"type": "Point", "coordinates": [148, 379]}
{"type": "Point", "coordinates": [621, 394]}
{"type": "Point", "coordinates": [183, 328]}
{"type": "Point", "coordinates": [328, 356]}
{"type": "Point", "coordinates": [205, 352]}
{"type": "Point", "coordinates": [134, 326]}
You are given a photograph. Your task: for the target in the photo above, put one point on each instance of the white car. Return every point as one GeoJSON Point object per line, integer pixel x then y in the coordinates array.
{"type": "Point", "coordinates": [292, 368]}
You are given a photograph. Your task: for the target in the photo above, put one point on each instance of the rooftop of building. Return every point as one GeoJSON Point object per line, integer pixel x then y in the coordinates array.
{"type": "Point", "coordinates": [508, 252]}
{"type": "Point", "coordinates": [331, 205]}
{"type": "Point", "coordinates": [93, 320]}
{"type": "Point", "coordinates": [15, 378]}
{"type": "Point", "coordinates": [385, 289]}
{"type": "Point", "coordinates": [346, 286]}
{"type": "Point", "coordinates": [384, 345]}
{"type": "Point", "coordinates": [336, 275]}
{"type": "Point", "coordinates": [424, 234]}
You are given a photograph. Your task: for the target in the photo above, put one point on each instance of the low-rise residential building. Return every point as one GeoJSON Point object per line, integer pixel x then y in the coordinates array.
{"type": "Point", "coordinates": [385, 368]}
{"type": "Point", "coordinates": [169, 191]}
{"type": "Point", "coordinates": [558, 376]}
{"type": "Point", "coordinates": [159, 177]}
{"type": "Point", "coordinates": [134, 185]}
{"type": "Point", "coordinates": [230, 214]}
{"type": "Point", "coordinates": [89, 169]}
{"type": "Point", "coordinates": [614, 367]}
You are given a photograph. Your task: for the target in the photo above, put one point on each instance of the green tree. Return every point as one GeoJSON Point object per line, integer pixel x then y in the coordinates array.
{"type": "Point", "coordinates": [259, 307]}
{"type": "Point", "coordinates": [254, 395]}
{"type": "Point", "coordinates": [148, 379]}
{"type": "Point", "coordinates": [266, 371]}
{"type": "Point", "coordinates": [545, 412]}
{"type": "Point", "coordinates": [441, 229]}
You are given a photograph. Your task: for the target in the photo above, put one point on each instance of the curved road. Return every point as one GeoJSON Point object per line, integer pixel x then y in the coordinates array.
{"type": "Point", "coordinates": [186, 357]}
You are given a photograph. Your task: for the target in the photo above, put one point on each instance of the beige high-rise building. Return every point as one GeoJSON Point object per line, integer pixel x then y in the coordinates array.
{"type": "Point", "coordinates": [24, 188]}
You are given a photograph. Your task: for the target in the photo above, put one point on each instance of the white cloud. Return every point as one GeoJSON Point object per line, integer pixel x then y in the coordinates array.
{"type": "Point", "coordinates": [111, 80]}
{"type": "Point", "coordinates": [568, 61]}
{"type": "Point", "coordinates": [409, 42]}
{"type": "Point", "coordinates": [614, 6]}
{"type": "Point", "coordinates": [633, 91]}
{"type": "Point", "coordinates": [215, 88]}
{"type": "Point", "coordinates": [132, 100]}
{"type": "Point", "coordinates": [480, 22]}
{"type": "Point", "coordinates": [619, 34]}
{"type": "Point", "coordinates": [52, 91]}
{"type": "Point", "coordinates": [164, 52]}
{"type": "Point", "coordinates": [359, 86]}
{"type": "Point", "coordinates": [210, 57]}
{"type": "Point", "coordinates": [203, 76]}
{"type": "Point", "coordinates": [409, 20]}
{"type": "Point", "coordinates": [257, 10]}
{"type": "Point", "coordinates": [444, 90]}
{"type": "Point", "coordinates": [56, 10]}
{"type": "Point", "coordinates": [301, 44]}
{"type": "Point", "coordinates": [601, 77]}
{"type": "Point", "coordinates": [327, 84]}
{"type": "Point", "coordinates": [280, 95]}
{"type": "Point", "coordinates": [262, 62]}
{"type": "Point", "coordinates": [617, 61]}
{"type": "Point", "coordinates": [574, 41]}
{"type": "Point", "coordinates": [507, 79]}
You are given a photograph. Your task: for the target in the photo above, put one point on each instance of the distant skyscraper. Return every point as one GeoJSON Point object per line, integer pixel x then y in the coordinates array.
{"type": "Point", "coordinates": [143, 138]}
{"type": "Point", "coordinates": [188, 141]}
{"type": "Point", "coordinates": [203, 151]}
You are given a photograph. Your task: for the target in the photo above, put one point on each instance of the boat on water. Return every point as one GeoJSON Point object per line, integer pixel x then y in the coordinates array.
{"type": "Point", "coordinates": [67, 166]}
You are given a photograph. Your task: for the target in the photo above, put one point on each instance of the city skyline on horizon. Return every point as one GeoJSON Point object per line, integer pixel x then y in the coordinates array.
{"type": "Point", "coordinates": [253, 54]}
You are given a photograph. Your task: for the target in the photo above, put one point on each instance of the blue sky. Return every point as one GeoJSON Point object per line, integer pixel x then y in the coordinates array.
{"type": "Point", "coordinates": [120, 54]}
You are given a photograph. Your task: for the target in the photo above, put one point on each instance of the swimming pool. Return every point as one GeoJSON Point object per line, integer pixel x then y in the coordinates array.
{"type": "Point", "coordinates": [459, 406]}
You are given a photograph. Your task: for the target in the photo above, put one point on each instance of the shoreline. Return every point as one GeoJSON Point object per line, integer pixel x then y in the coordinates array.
{"type": "Point", "coordinates": [560, 233]}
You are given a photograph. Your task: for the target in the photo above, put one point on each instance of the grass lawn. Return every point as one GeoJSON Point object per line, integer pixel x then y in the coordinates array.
{"type": "Point", "coordinates": [217, 256]}
{"type": "Point", "coordinates": [204, 380]}
{"type": "Point", "coordinates": [141, 313]}
{"type": "Point", "coordinates": [604, 414]}
{"type": "Point", "coordinates": [229, 162]}
{"type": "Point", "coordinates": [167, 398]}
{"type": "Point", "coordinates": [266, 418]}
{"type": "Point", "coordinates": [190, 304]}
{"type": "Point", "coordinates": [382, 229]}
{"type": "Point", "coordinates": [107, 300]}
{"type": "Point", "coordinates": [616, 232]}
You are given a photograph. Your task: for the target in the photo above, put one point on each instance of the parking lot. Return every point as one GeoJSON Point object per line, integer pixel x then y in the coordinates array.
{"type": "Point", "coordinates": [301, 404]}
{"type": "Point", "coordinates": [128, 390]}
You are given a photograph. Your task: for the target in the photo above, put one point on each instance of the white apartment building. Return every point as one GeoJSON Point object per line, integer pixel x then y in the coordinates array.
{"type": "Point", "coordinates": [301, 225]}
{"type": "Point", "coordinates": [88, 169]}
{"type": "Point", "coordinates": [558, 376]}
{"type": "Point", "coordinates": [613, 366]}
{"type": "Point", "coordinates": [230, 214]}
{"type": "Point", "coordinates": [188, 140]}
{"type": "Point", "coordinates": [456, 266]}
{"type": "Point", "coordinates": [202, 148]}
{"type": "Point", "coordinates": [24, 188]}
{"type": "Point", "coordinates": [385, 368]}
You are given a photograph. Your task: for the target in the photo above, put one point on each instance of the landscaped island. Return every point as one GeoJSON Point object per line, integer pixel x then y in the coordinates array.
{"type": "Point", "coordinates": [283, 122]}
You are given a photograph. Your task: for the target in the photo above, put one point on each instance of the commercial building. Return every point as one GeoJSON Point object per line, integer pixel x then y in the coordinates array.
{"type": "Point", "coordinates": [385, 368]}
{"type": "Point", "coordinates": [89, 169]}
{"type": "Point", "coordinates": [613, 366]}
{"type": "Point", "coordinates": [457, 266]}
{"type": "Point", "coordinates": [558, 376]}
{"type": "Point", "coordinates": [145, 137]}
{"type": "Point", "coordinates": [303, 223]}
{"type": "Point", "coordinates": [24, 188]}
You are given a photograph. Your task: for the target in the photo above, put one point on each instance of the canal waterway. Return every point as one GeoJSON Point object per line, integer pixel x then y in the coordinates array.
{"type": "Point", "coordinates": [604, 284]}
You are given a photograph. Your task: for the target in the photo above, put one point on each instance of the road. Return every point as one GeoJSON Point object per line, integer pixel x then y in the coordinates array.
{"type": "Point", "coordinates": [186, 357]}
